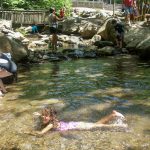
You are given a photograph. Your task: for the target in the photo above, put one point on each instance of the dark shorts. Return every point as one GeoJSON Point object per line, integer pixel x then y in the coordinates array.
{"type": "Point", "coordinates": [52, 30]}
{"type": "Point", "coordinates": [119, 36]}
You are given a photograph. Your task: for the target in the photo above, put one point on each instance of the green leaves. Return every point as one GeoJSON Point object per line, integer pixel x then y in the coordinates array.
{"type": "Point", "coordinates": [36, 4]}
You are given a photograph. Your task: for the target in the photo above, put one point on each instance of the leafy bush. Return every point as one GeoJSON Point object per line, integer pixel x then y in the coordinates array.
{"type": "Point", "coordinates": [36, 4]}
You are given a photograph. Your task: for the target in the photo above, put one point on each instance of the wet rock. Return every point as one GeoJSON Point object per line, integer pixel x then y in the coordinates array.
{"type": "Point", "coordinates": [82, 44]}
{"type": "Point", "coordinates": [106, 51]}
{"type": "Point", "coordinates": [137, 41]}
{"type": "Point", "coordinates": [90, 54]}
{"type": "Point", "coordinates": [101, 44]}
{"type": "Point", "coordinates": [54, 58]}
{"type": "Point", "coordinates": [107, 31]}
{"type": "Point", "coordinates": [74, 53]}
{"type": "Point", "coordinates": [45, 57]}
{"type": "Point", "coordinates": [95, 39]}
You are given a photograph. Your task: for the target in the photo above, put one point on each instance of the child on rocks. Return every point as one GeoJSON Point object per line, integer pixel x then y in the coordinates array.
{"type": "Point", "coordinates": [119, 31]}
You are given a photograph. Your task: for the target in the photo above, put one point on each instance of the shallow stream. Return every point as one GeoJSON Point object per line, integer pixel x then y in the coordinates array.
{"type": "Point", "coordinates": [81, 90]}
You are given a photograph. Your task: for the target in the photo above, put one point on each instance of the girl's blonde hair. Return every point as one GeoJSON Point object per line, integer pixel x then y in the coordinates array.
{"type": "Point", "coordinates": [52, 113]}
{"type": "Point", "coordinates": [49, 112]}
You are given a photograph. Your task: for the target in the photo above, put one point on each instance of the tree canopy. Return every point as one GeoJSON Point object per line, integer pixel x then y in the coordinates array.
{"type": "Point", "coordinates": [35, 4]}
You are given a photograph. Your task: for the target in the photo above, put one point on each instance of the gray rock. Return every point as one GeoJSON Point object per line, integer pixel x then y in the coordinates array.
{"type": "Point", "coordinates": [15, 47]}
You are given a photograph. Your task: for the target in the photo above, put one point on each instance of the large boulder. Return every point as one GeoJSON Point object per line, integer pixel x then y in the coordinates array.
{"type": "Point", "coordinates": [101, 44]}
{"type": "Point", "coordinates": [5, 23]}
{"type": "Point", "coordinates": [107, 31]}
{"type": "Point", "coordinates": [143, 48]}
{"type": "Point", "coordinates": [94, 39]}
{"type": "Point", "coordinates": [70, 26]}
{"type": "Point", "coordinates": [87, 29]}
{"type": "Point", "coordinates": [137, 41]}
{"type": "Point", "coordinates": [13, 46]}
{"type": "Point", "coordinates": [106, 51]}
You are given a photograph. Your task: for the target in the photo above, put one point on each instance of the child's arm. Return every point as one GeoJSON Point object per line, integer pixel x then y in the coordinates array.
{"type": "Point", "coordinates": [46, 129]}
{"type": "Point", "coordinates": [59, 19]}
{"type": "Point", "coordinates": [134, 3]}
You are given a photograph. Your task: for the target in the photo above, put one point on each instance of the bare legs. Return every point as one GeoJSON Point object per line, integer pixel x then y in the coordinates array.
{"type": "Point", "coordinates": [128, 18]}
{"type": "Point", "coordinates": [108, 118]}
{"type": "Point", "coordinates": [2, 88]}
{"type": "Point", "coordinates": [3, 74]}
{"type": "Point", "coordinates": [54, 42]}
{"type": "Point", "coordinates": [119, 43]}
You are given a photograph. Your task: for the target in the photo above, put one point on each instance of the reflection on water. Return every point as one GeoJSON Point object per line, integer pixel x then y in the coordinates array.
{"type": "Point", "coordinates": [55, 69]}
{"type": "Point", "coordinates": [81, 90]}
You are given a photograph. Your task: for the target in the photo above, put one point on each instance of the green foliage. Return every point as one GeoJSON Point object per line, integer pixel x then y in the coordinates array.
{"type": "Point", "coordinates": [36, 4]}
{"type": "Point", "coordinates": [22, 31]}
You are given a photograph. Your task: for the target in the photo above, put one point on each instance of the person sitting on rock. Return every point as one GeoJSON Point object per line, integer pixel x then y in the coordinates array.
{"type": "Point", "coordinates": [34, 29]}
{"type": "Point", "coordinates": [3, 74]}
{"type": "Point", "coordinates": [8, 64]}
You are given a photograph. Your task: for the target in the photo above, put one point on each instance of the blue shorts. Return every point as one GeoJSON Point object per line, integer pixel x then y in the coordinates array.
{"type": "Point", "coordinates": [128, 10]}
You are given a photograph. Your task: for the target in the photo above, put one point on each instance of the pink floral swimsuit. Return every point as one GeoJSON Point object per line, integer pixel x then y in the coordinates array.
{"type": "Point", "coordinates": [67, 126]}
{"type": "Point", "coordinates": [64, 126]}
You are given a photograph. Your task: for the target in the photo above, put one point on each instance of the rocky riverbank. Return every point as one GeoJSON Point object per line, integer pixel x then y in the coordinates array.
{"type": "Point", "coordinates": [87, 35]}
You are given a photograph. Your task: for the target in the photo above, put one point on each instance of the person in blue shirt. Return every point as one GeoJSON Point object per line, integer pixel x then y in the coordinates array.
{"type": "Point", "coordinates": [34, 29]}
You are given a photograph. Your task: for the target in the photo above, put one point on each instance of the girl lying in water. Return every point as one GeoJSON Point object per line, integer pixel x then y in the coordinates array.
{"type": "Point", "coordinates": [47, 121]}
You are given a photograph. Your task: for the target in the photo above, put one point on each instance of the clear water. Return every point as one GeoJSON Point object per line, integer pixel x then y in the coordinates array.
{"type": "Point", "coordinates": [81, 90]}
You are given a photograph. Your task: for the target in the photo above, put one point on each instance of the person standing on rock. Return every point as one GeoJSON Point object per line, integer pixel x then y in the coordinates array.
{"type": "Point", "coordinates": [128, 7]}
{"type": "Point", "coordinates": [53, 27]}
{"type": "Point", "coordinates": [119, 31]}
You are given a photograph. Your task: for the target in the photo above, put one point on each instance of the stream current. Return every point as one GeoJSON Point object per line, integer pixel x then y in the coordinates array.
{"type": "Point", "coordinates": [80, 90]}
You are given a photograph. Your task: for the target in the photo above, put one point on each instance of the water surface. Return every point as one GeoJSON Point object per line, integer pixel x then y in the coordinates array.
{"type": "Point", "coordinates": [81, 90]}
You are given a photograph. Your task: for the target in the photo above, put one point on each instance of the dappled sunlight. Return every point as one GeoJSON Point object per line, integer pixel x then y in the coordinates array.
{"type": "Point", "coordinates": [80, 70]}
{"type": "Point", "coordinates": [64, 72]}
{"type": "Point", "coordinates": [80, 90]}
{"type": "Point", "coordinates": [115, 91]}
{"type": "Point", "coordinates": [95, 75]}
{"type": "Point", "coordinates": [106, 64]}
{"type": "Point", "coordinates": [46, 101]}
